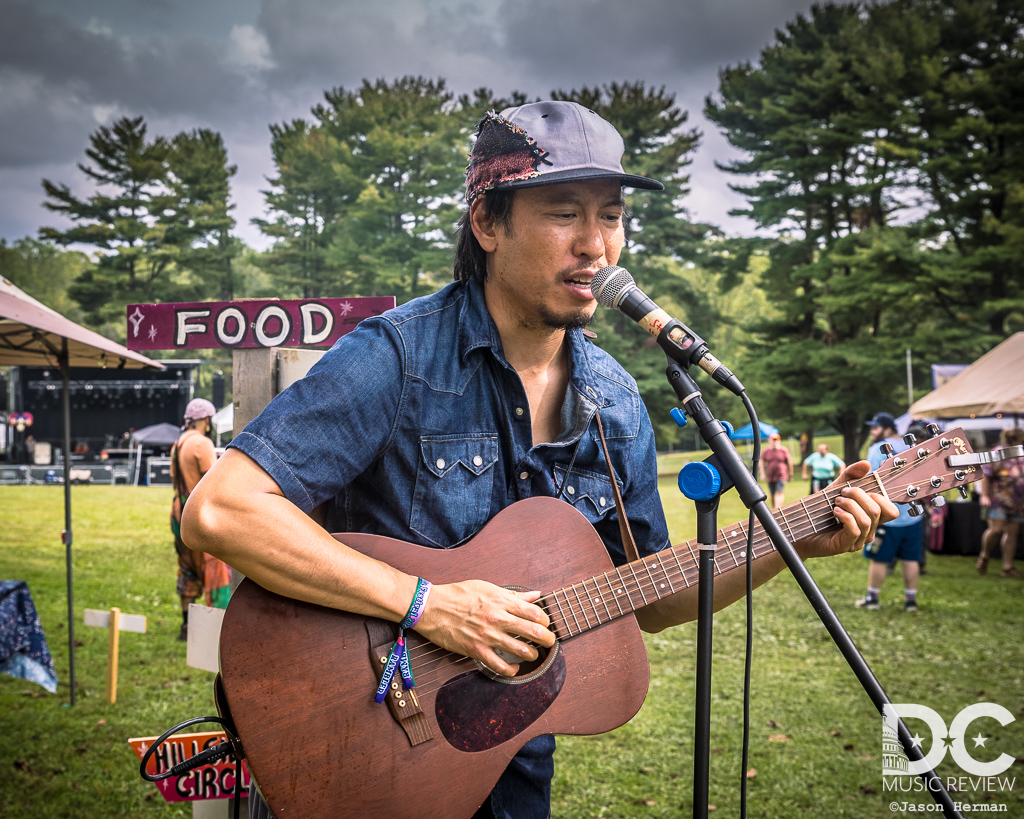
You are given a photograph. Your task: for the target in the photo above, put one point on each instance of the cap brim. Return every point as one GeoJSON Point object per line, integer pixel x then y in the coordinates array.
{"type": "Point", "coordinates": [628, 180]}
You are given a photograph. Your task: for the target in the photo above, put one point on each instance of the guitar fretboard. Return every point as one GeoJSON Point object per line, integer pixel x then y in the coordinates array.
{"type": "Point", "coordinates": [597, 600]}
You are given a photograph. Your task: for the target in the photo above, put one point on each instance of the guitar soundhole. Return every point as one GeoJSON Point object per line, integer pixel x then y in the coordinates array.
{"type": "Point", "coordinates": [476, 712]}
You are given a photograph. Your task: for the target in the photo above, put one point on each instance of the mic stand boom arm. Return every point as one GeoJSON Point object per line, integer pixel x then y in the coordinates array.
{"type": "Point", "coordinates": [753, 497]}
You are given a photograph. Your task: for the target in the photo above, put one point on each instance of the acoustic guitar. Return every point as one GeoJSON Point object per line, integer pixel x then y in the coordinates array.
{"type": "Point", "coordinates": [299, 679]}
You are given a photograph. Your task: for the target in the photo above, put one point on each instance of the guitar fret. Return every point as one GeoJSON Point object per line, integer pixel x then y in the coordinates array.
{"type": "Point", "coordinates": [639, 585]}
{"type": "Point", "coordinates": [728, 545]}
{"type": "Point", "coordinates": [568, 602]}
{"type": "Point", "coordinates": [682, 571]}
{"type": "Point", "coordinates": [561, 614]}
{"type": "Point", "coordinates": [600, 597]}
{"type": "Point", "coordinates": [664, 571]}
{"type": "Point", "coordinates": [782, 514]}
{"type": "Point", "coordinates": [583, 609]}
{"type": "Point", "coordinates": [810, 520]}
{"type": "Point", "coordinates": [622, 588]}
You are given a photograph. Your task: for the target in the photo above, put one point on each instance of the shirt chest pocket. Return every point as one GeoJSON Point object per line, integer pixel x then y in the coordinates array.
{"type": "Point", "coordinates": [454, 487]}
{"type": "Point", "coordinates": [589, 492]}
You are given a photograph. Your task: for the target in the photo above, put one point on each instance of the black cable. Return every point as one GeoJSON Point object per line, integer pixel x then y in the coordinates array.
{"type": "Point", "coordinates": [756, 431]}
{"type": "Point", "coordinates": [211, 754]}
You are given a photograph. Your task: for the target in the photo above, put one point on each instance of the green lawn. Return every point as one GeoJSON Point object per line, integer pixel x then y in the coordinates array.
{"type": "Point", "coordinates": [816, 739]}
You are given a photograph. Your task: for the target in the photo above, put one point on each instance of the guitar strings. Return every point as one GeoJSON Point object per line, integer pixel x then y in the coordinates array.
{"type": "Point", "coordinates": [818, 512]}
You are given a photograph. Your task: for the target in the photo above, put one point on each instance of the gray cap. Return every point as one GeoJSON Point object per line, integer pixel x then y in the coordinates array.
{"type": "Point", "coordinates": [544, 143]}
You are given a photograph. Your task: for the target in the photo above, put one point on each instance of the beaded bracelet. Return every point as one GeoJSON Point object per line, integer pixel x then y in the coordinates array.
{"type": "Point", "coordinates": [399, 656]}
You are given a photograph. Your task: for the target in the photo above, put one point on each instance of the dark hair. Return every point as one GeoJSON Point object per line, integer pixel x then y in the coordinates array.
{"type": "Point", "coordinates": [470, 258]}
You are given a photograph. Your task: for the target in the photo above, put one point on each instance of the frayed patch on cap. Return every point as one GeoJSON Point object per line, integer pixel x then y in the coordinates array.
{"type": "Point", "coordinates": [503, 152]}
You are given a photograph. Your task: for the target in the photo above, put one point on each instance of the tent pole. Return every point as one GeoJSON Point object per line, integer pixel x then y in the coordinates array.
{"type": "Point", "coordinates": [65, 373]}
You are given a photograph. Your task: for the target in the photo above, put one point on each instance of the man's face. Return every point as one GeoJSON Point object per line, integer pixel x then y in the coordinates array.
{"type": "Point", "coordinates": [540, 266]}
{"type": "Point", "coordinates": [877, 433]}
{"type": "Point", "coordinates": [823, 449]}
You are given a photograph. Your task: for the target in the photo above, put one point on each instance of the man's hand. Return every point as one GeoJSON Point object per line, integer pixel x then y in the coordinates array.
{"type": "Point", "coordinates": [476, 618]}
{"type": "Point", "coordinates": [859, 513]}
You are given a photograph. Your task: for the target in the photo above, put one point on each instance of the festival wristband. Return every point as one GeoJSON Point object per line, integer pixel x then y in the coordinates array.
{"type": "Point", "coordinates": [398, 659]}
{"type": "Point", "coordinates": [419, 602]}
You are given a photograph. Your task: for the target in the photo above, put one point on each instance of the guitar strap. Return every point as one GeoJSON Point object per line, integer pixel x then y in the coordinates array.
{"type": "Point", "coordinates": [628, 544]}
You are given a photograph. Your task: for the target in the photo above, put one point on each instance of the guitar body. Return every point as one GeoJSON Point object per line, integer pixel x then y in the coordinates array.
{"type": "Point", "coordinates": [299, 681]}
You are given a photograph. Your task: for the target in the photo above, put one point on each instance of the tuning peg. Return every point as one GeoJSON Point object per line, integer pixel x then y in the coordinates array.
{"type": "Point", "coordinates": [938, 501]}
{"type": "Point", "coordinates": [909, 439]}
{"type": "Point", "coordinates": [963, 492]}
{"type": "Point", "coordinates": [933, 429]}
{"type": "Point", "coordinates": [887, 449]}
{"type": "Point", "coordinates": [915, 509]}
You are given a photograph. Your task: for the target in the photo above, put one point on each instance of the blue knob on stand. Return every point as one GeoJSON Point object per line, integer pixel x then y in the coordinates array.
{"type": "Point", "coordinates": [699, 481]}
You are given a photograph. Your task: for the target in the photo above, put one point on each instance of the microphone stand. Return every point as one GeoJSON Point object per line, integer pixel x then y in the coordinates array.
{"type": "Point", "coordinates": [753, 497]}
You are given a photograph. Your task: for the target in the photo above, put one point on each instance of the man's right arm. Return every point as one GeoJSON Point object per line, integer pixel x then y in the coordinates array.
{"type": "Point", "coordinates": [238, 513]}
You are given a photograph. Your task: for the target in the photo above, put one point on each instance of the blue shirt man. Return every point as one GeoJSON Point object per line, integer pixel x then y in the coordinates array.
{"type": "Point", "coordinates": [425, 421]}
{"type": "Point", "coordinates": [899, 539]}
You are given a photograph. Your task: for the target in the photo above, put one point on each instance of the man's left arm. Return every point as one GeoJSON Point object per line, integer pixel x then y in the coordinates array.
{"type": "Point", "coordinates": [858, 513]}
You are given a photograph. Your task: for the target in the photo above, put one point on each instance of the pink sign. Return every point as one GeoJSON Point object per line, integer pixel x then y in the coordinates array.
{"type": "Point", "coordinates": [256, 323]}
{"type": "Point", "coordinates": [214, 781]}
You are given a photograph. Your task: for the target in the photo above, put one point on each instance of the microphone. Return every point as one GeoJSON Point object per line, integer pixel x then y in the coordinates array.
{"type": "Point", "coordinates": [613, 286]}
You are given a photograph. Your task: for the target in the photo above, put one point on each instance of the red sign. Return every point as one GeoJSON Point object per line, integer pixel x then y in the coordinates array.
{"type": "Point", "coordinates": [256, 323]}
{"type": "Point", "coordinates": [214, 781]}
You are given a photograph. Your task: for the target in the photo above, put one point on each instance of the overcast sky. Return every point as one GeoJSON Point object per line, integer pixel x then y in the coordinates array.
{"type": "Point", "coordinates": [237, 66]}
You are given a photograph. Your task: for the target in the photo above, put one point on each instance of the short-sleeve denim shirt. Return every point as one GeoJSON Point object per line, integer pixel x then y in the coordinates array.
{"type": "Point", "coordinates": [414, 426]}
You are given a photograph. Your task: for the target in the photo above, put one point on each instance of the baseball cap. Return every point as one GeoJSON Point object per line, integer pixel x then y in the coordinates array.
{"type": "Point", "coordinates": [882, 419]}
{"type": "Point", "coordinates": [199, 408]}
{"type": "Point", "coordinates": [544, 143]}
{"type": "Point", "coordinates": [775, 437]}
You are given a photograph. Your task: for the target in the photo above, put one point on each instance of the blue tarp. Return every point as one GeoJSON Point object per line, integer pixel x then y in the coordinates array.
{"type": "Point", "coordinates": [746, 432]}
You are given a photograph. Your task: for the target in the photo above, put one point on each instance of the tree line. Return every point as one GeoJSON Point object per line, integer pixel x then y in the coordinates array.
{"type": "Point", "coordinates": [882, 151]}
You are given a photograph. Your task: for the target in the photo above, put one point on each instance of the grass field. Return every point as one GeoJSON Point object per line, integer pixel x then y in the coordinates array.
{"type": "Point", "coordinates": [816, 739]}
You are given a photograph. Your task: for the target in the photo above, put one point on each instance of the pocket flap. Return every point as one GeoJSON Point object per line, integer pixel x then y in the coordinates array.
{"type": "Point", "coordinates": [477, 453]}
{"type": "Point", "coordinates": [587, 491]}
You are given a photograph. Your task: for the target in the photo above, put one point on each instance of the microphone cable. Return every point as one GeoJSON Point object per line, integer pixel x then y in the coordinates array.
{"type": "Point", "coordinates": [749, 651]}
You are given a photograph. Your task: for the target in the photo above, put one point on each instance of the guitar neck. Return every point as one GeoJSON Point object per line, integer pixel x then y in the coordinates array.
{"type": "Point", "coordinates": [598, 600]}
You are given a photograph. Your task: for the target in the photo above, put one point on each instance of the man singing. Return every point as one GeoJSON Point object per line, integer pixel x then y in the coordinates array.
{"type": "Point", "coordinates": [425, 422]}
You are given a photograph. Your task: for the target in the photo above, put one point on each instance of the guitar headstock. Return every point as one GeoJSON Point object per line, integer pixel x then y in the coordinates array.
{"type": "Point", "coordinates": [929, 468]}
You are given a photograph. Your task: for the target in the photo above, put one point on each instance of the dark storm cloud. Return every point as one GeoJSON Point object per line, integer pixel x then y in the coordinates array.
{"type": "Point", "coordinates": [60, 78]}
{"type": "Point", "coordinates": [236, 66]}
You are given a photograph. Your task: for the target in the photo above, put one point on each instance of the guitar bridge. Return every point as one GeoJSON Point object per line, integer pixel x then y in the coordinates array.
{"type": "Point", "coordinates": [403, 704]}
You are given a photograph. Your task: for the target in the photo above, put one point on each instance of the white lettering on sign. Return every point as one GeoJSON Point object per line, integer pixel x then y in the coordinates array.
{"type": "Point", "coordinates": [310, 312]}
{"type": "Point", "coordinates": [222, 328]}
{"type": "Point", "coordinates": [184, 325]}
{"type": "Point", "coordinates": [264, 318]}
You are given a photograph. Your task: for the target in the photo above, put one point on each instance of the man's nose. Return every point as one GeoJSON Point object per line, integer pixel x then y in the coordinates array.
{"type": "Point", "coordinates": [590, 239]}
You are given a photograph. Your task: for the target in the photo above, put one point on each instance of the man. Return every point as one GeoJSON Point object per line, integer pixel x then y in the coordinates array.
{"type": "Point", "coordinates": [192, 456]}
{"type": "Point", "coordinates": [776, 468]}
{"type": "Point", "coordinates": [899, 539]}
{"type": "Point", "coordinates": [425, 422]}
{"type": "Point", "coordinates": [824, 467]}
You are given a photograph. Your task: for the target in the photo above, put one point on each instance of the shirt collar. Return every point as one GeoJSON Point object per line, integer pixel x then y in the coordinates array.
{"type": "Point", "coordinates": [478, 330]}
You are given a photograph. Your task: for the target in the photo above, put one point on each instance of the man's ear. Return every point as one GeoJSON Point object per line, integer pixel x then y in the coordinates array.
{"type": "Point", "coordinates": [484, 227]}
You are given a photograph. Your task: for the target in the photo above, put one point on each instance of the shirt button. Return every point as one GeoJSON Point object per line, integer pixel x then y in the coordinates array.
{"type": "Point", "coordinates": [524, 475]}
{"type": "Point", "coordinates": [477, 460]}
{"type": "Point", "coordinates": [440, 463]}
{"type": "Point", "coordinates": [571, 490]}
{"type": "Point", "coordinates": [602, 501]}
{"type": "Point", "coordinates": [519, 411]}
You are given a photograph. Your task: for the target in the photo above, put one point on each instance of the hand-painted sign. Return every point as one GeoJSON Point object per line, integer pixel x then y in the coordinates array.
{"type": "Point", "coordinates": [256, 323]}
{"type": "Point", "coordinates": [213, 781]}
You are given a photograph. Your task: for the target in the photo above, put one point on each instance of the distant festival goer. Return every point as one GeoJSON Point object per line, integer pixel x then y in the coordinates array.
{"type": "Point", "coordinates": [776, 469]}
{"type": "Point", "coordinates": [192, 456]}
{"type": "Point", "coordinates": [1002, 493]}
{"type": "Point", "coordinates": [824, 466]}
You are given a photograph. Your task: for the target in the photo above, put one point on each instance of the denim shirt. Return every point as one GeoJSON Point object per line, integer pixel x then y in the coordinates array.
{"type": "Point", "coordinates": [414, 426]}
